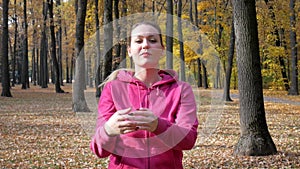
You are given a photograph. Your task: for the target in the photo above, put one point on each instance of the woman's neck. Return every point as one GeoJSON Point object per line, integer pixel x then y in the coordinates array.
{"type": "Point", "coordinates": [148, 76]}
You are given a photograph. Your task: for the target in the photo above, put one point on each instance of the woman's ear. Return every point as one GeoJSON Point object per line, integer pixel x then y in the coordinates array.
{"type": "Point", "coordinates": [129, 51]}
{"type": "Point", "coordinates": [163, 51]}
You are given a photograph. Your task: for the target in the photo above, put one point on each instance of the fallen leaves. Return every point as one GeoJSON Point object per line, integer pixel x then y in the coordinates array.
{"type": "Point", "coordinates": [39, 130]}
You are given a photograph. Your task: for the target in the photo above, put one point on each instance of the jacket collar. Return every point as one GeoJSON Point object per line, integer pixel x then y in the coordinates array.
{"type": "Point", "coordinates": [168, 76]}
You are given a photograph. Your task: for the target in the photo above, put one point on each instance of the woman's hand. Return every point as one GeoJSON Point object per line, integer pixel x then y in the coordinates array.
{"type": "Point", "coordinates": [120, 123]}
{"type": "Point", "coordinates": [144, 119]}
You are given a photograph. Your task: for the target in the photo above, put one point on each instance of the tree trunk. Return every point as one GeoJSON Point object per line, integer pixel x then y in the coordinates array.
{"type": "Point", "coordinates": [226, 95]}
{"type": "Point", "coordinates": [59, 40]}
{"type": "Point", "coordinates": [79, 102]}
{"type": "Point", "coordinates": [255, 138]}
{"type": "Point", "coordinates": [108, 38]}
{"type": "Point", "coordinates": [124, 35]}
{"type": "Point", "coordinates": [191, 11]}
{"type": "Point", "coordinates": [153, 6]}
{"type": "Point", "coordinates": [67, 70]}
{"type": "Point", "coordinates": [98, 53]}
{"type": "Point", "coordinates": [282, 62]}
{"type": "Point", "coordinates": [33, 62]}
{"type": "Point", "coordinates": [53, 51]}
{"type": "Point", "coordinates": [278, 43]}
{"type": "Point", "coordinates": [180, 38]}
{"type": "Point", "coordinates": [169, 35]}
{"type": "Point", "coordinates": [25, 75]}
{"type": "Point", "coordinates": [67, 59]}
{"type": "Point", "coordinates": [72, 67]}
{"type": "Point", "coordinates": [43, 74]}
{"type": "Point", "coordinates": [4, 51]}
{"type": "Point", "coordinates": [14, 59]}
{"type": "Point", "coordinates": [205, 79]}
{"type": "Point", "coordinates": [117, 29]}
{"type": "Point", "coordinates": [199, 76]}
{"type": "Point", "coordinates": [200, 50]}
{"type": "Point", "coordinates": [37, 66]}
{"type": "Point", "coordinates": [293, 37]}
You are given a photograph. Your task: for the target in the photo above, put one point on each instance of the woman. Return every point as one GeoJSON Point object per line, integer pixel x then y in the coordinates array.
{"type": "Point", "coordinates": [146, 116]}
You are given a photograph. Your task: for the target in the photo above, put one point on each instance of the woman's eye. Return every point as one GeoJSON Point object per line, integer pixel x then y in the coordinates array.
{"type": "Point", "coordinates": [153, 40]}
{"type": "Point", "coordinates": [138, 41]}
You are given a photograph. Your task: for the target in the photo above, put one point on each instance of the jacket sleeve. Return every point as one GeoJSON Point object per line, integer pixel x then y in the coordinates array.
{"type": "Point", "coordinates": [102, 144]}
{"type": "Point", "coordinates": [182, 134]}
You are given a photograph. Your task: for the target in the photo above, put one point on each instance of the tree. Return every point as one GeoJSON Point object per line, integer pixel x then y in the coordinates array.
{"type": "Point", "coordinates": [228, 72]}
{"type": "Point", "coordinates": [255, 138]}
{"type": "Point", "coordinates": [169, 34]}
{"type": "Point", "coordinates": [200, 49]}
{"type": "Point", "coordinates": [180, 38]}
{"type": "Point", "coordinates": [294, 68]}
{"type": "Point", "coordinates": [98, 53]}
{"type": "Point", "coordinates": [15, 19]}
{"type": "Point", "coordinates": [4, 51]}
{"type": "Point", "coordinates": [53, 47]}
{"type": "Point", "coordinates": [108, 37]}
{"type": "Point", "coordinates": [123, 35]}
{"type": "Point", "coordinates": [278, 43]}
{"type": "Point", "coordinates": [79, 102]}
{"type": "Point", "coordinates": [43, 70]}
{"type": "Point", "coordinates": [34, 38]}
{"type": "Point", "coordinates": [59, 41]}
{"type": "Point", "coordinates": [25, 75]}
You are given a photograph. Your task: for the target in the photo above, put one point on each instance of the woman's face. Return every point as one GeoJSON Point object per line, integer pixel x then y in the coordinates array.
{"type": "Point", "coordinates": [145, 47]}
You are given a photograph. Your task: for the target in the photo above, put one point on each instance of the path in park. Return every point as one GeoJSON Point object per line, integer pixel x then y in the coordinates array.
{"type": "Point", "coordinates": [272, 99]}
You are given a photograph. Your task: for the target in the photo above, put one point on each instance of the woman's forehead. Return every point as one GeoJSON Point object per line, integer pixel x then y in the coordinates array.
{"type": "Point", "coordinates": [144, 30]}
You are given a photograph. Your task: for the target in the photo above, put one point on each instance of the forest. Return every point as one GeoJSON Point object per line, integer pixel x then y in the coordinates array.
{"type": "Point", "coordinates": [235, 53]}
{"type": "Point", "coordinates": [30, 33]}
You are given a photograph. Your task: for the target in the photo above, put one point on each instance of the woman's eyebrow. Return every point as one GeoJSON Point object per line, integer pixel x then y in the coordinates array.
{"type": "Point", "coordinates": [148, 36]}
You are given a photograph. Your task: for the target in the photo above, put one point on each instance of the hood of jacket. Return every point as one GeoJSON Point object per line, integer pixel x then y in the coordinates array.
{"type": "Point", "coordinates": [167, 76]}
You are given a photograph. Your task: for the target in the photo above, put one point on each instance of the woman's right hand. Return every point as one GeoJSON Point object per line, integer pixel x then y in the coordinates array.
{"type": "Point", "coordinates": [118, 123]}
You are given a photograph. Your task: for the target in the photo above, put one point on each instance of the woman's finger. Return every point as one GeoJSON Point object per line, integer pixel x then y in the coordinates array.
{"type": "Point", "coordinates": [124, 111]}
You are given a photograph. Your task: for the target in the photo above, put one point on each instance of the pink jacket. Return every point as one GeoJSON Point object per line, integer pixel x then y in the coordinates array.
{"type": "Point", "coordinates": [172, 101]}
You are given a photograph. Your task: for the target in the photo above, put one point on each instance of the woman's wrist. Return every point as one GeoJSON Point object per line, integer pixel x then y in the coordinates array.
{"type": "Point", "coordinates": [107, 130]}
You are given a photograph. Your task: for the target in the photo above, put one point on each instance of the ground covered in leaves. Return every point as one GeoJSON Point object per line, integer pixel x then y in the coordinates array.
{"type": "Point", "coordinates": [39, 130]}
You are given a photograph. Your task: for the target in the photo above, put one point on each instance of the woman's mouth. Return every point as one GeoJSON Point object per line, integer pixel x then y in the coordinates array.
{"type": "Point", "coordinates": [145, 54]}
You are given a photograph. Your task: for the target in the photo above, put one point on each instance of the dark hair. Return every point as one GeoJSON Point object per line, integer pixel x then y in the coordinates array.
{"type": "Point", "coordinates": [154, 25]}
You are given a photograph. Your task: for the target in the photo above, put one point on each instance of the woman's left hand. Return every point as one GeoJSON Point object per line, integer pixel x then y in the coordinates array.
{"type": "Point", "coordinates": [145, 119]}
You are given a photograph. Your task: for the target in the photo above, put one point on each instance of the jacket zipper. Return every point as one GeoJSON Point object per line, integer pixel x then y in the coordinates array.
{"type": "Point", "coordinates": [148, 133]}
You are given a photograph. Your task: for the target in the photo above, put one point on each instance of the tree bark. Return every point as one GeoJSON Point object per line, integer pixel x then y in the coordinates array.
{"type": "Point", "coordinates": [124, 35]}
{"type": "Point", "coordinates": [169, 34]}
{"type": "Point", "coordinates": [25, 75]}
{"type": "Point", "coordinates": [228, 72]}
{"type": "Point", "coordinates": [14, 61]}
{"type": "Point", "coordinates": [43, 74]}
{"type": "Point", "coordinates": [278, 43]}
{"type": "Point", "coordinates": [205, 79]}
{"type": "Point", "coordinates": [255, 139]}
{"type": "Point", "coordinates": [98, 52]}
{"type": "Point", "coordinates": [180, 38]}
{"type": "Point", "coordinates": [293, 37]}
{"type": "Point", "coordinates": [108, 38]}
{"type": "Point", "coordinates": [34, 35]}
{"type": "Point", "coordinates": [53, 51]}
{"type": "Point", "coordinates": [59, 41]}
{"type": "Point", "coordinates": [117, 30]}
{"type": "Point", "coordinates": [67, 70]}
{"type": "Point", "coordinates": [79, 102]}
{"type": "Point", "coordinates": [4, 50]}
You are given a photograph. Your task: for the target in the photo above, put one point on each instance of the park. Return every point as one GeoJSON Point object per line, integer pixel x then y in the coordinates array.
{"type": "Point", "coordinates": [40, 130]}
{"type": "Point", "coordinates": [243, 72]}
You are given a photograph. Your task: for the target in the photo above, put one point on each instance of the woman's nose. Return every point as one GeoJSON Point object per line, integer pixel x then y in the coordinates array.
{"type": "Point", "coordinates": [145, 44]}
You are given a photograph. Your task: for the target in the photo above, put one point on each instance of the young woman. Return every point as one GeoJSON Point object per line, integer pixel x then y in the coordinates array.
{"type": "Point", "coordinates": [146, 116]}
